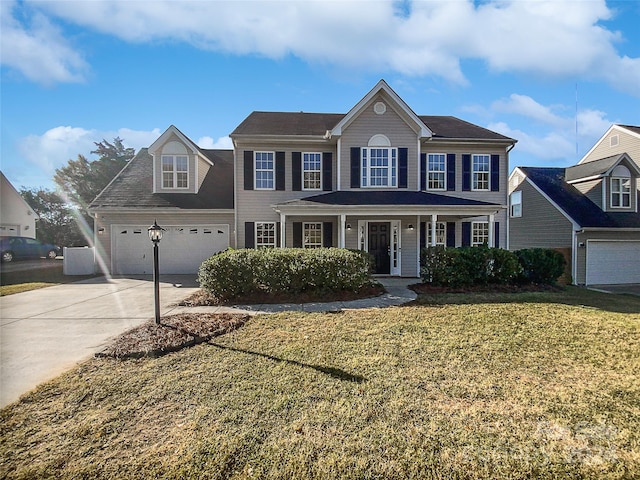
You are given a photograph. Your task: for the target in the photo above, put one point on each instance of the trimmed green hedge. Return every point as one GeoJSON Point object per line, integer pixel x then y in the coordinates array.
{"type": "Point", "coordinates": [235, 273]}
{"type": "Point", "coordinates": [459, 267]}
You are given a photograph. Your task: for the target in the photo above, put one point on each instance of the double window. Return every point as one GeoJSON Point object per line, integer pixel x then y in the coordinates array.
{"type": "Point", "coordinates": [480, 172]}
{"type": "Point", "coordinates": [436, 171]}
{"type": "Point", "coordinates": [441, 233]}
{"type": "Point", "coordinates": [175, 171]}
{"type": "Point", "coordinates": [479, 234]}
{"type": "Point", "coordinates": [311, 171]}
{"type": "Point", "coordinates": [621, 192]}
{"type": "Point", "coordinates": [265, 234]}
{"type": "Point", "coordinates": [264, 171]}
{"type": "Point", "coordinates": [379, 167]}
{"type": "Point", "coordinates": [312, 235]}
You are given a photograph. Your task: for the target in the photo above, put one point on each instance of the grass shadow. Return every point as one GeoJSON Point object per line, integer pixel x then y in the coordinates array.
{"type": "Point", "coordinates": [331, 371]}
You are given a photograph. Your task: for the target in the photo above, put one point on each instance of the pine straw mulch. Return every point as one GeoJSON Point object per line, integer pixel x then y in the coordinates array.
{"type": "Point", "coordinates": [174, 333]}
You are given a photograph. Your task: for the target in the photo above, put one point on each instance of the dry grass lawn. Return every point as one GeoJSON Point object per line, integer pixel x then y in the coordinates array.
{"type": "Point", "coordinates": [536, 385]}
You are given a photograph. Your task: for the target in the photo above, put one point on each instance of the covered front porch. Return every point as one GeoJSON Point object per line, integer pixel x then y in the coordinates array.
{"type": "Point", "coordinates": [393, 233]}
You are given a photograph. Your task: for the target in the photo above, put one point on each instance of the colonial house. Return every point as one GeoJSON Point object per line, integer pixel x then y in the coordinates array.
{"type": "Point", "coordinates": [589, 210]}
{"type": "Point", "coordinates": [379, 178]}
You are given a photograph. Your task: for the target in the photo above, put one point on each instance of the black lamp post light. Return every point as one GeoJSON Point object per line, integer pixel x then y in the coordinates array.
{"type": "Point", "coordinates": [155, 235]}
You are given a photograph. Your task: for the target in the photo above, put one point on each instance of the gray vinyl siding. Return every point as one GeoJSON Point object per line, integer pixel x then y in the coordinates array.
{"type": "Point", "coordinates": [203, 169]}
{"type": "Point", "coordinates": [541, 224]}
{"type": "Point", "coordinates": [592, 190]}
{"type": "Point", "coordinates": [627, 143]}
{"type": "Point", "coordinates": [581, 252]}
{"type": "Point", "coordinates": [108, 220]}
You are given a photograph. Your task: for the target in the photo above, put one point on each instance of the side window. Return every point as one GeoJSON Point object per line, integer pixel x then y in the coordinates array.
{"type": "Point", "coordinates": [516, 204]}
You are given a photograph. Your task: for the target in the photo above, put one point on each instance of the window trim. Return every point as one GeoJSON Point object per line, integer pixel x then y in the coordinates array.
{"type": "Point", "coordinates": [256, 170]}
{"type": "Point", "coordinates": [392, 167]}
{"type": "Point", "coordinates": [476, 173]}
{"type": "Point", "coordinates": [621, 194]}
{"type": "Point", "coordinates": [442, 172]}
{"type": "Point", "coordinates": [318, 171]}
{"type": "Point", "coordinates": [474, 242]}
{"type": "Point", "coordinates": [306, 230]}
{"type": "Point", "coordinates": [512, 204]}
{"type": "Point", "coordinates": [259, 233]}
{"type": "Point", "coordinates": [174, 171]}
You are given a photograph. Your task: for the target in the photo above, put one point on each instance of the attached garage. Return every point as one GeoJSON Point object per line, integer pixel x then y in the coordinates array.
{"type": "Point", "coordinates": [613, 262]}
{"type": "Point", "coordinates": [182, 248]}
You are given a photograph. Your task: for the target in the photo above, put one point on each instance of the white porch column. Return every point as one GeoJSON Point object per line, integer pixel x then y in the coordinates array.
{"type": "Point", "coordinates": [492, 220]}
{"type": "Point", "coordinates": [343, 227]}
{"type": "Point", "coordinates": [283, 229]}
{"type": "Point", "coordinates": [434, 219]}
{"type": "Point", "coordinates": [418, 239]}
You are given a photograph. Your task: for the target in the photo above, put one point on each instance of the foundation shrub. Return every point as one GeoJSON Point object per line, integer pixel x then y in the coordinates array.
{"type": "Point", "coordinates": [234, 273]}
{"type": "Point", "coordinates": [540, 265]}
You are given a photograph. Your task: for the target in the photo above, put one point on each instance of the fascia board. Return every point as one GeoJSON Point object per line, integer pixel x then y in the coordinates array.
{"type": "Point", "coordinates": [239, 140]}
{"type": "Point", "coordinates": [587, 179]}
{"type": "Point", "coordinates": [575, 224]}
{"type": "Point", "coordinates": [609, 229]}
{"type": "Point", "coordinates": [155, 210]}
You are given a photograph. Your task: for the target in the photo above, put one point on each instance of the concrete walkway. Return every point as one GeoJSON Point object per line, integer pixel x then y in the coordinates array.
{"type": "Point", "coordinates": [45, 332]}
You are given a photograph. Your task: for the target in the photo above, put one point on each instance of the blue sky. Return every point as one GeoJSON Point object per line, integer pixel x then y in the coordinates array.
{"type": "Point", "coordinates": [74, 73]}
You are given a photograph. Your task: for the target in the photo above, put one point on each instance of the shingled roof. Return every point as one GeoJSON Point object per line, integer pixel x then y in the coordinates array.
{"type": "Point", "coordinates": [574, 203]}
{"type": "Point", "coordinates": [133, 186]}
{"type": "Point", "coordinates": [317, 124]}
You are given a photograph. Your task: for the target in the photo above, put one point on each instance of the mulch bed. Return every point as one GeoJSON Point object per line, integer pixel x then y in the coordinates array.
{"type": "Point", "coordinates": [426, 288]}
{"type": "Point", "coordinates": [174, 333]}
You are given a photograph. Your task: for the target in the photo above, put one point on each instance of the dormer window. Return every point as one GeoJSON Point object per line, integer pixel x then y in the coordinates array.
{"type": "Point", "coordinates": [175, 171]}
{"type": "Point", "coordinates": [621, 187]}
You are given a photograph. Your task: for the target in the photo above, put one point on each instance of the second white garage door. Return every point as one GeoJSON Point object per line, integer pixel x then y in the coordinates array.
{"type": "Point", "coordinates": [182, 248]}
{"type": "Point", "coordinates": [611, 262]}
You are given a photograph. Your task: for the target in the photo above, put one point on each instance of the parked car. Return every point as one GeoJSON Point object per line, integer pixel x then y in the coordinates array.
{"type": "Point", "coordinates": [24, 247]}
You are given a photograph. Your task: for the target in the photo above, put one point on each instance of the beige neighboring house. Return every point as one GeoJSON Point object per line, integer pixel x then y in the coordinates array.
{"type": "Point", "coordinates": [589, 209]}
{"type": "Point", "coordinates": [378, 178]}
{"type": "Point", "coordinates": [17, 218]}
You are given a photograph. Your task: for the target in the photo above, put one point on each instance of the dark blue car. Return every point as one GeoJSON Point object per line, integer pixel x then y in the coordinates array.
{"type": "Point", "coordinates": [24, 247]}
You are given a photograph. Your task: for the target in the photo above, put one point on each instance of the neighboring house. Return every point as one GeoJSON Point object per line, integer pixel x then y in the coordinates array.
{"type": "Point", "coordinates": [379, 178]}
{"type": "Point", "coordinates": [17, 218]}
{"type": "Point", "coordinates": [591, 209]}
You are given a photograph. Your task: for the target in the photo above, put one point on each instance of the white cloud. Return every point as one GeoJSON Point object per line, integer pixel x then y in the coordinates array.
{"type": "Point", "coordinates": [223, 143]}
{"type": "Point", "coordinates": [559, 39]}
{"type": "Point", "coordinates": [526, 106]}
{"type": "Point", "coordinates": [38, 51]}
{"type": "Point", "coordinates": [555, 145]}
{"type": "Point", "coordinates": [54, 148]}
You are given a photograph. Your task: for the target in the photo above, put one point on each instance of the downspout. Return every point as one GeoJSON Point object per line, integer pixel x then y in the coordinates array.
{"type": "Point", "coordinates": [508, 222]}
{"type": "Point", "coordinates": [235, 195]}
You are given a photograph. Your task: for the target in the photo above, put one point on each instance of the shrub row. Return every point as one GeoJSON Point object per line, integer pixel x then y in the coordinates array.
{"type": "Point", "coordinates": [458, 267]}
{"type": "Point", "coordinates": [235, 273]}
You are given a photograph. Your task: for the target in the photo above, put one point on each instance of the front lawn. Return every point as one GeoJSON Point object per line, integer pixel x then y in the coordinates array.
{"type": "Point", "coordinates": [543, 384]}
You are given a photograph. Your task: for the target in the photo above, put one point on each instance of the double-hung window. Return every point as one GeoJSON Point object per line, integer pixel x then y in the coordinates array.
{"type": "Point", "coordinates": [480, 169]}
{"type": "Point", "coordinates": [436, 171]}
{"type": "Point", "coordinates": [265, 170]}
{"type": "Point", "coordinates": [311, 171]}
{"type": "Point", "coordinates": [312, 235]}
{"type": "Point", "coordinates": [265, 234]}
{"type": "Point", "coordinates": [379, 167]}
{"type": "Point", "coordinates": [175, 171]}
{"type": "Point", "coordinates": [516, 204]}
{"type": "Point", "coordinates": [441, 233]}
{"type": "Point", "coordinates": [621, 192]}
{"type": "Point", "coordinates": [479, 234]}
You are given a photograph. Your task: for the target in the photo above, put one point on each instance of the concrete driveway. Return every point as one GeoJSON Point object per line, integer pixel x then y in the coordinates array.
{"type": "Point", "coordinates": [45, 332]}
{"type": "Point", "coordinates": [627, 289]}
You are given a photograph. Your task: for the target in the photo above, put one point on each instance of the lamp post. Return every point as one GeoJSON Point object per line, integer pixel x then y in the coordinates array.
{"type": "Point", "coordinates": [155, 235]}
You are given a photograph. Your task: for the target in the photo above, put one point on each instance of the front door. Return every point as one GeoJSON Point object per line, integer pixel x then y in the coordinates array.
{"type": "Point", "coordinates": [380, 246]}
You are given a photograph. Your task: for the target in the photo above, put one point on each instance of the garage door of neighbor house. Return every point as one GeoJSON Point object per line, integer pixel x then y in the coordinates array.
{"type": "Point", "coordinates": [611, 262]}
{"type": "Point", "coordinates": [182, 248]}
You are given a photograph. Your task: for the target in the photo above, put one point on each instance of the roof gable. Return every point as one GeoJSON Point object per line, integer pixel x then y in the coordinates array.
{"type": "Point", "coordinates": [599, 168]}
{"type": "Point", "coordinates": [171, 131]}
{"type": "Point", "coordinates": [626, 129]}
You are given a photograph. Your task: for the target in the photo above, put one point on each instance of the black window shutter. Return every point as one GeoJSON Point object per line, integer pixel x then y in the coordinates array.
{"type": "Point", "coordinates": [249, 232]}
{"type": "Point", "coordinates": [466, 234]}
{"type": "Point", "coordinates": [451, 234]}
{"type": "Point", "coordinates": [297, 234]}
{"type": "Point", "coordinates": [496, 234]}
{"type": "Point", "coordinates": [423, 171]}
{"type": "Point", "coordinates": [296, 171]}
{"type": "Point", "coordinates": [278, 236]}
{"type": "Point", "coordinates": [327, 234]}
{"type": "Point", "coordinates": [466, 172]}
{"type": "Point", "coordinates": [355, 167]}
{"type": "Point", "coordinates": [327, 171]}
{"type": "Point", "coordinates": [495, 173]}
{"type": "Point", "coordinates": [423, 234]}
{"type": "Point", "coordinates": [280, 171]}
{"type": "Point", "coordinates": [451, 172]}
{"type": "Point", "coordinates": [403, 155]}
{"type": "Point", "coordinates": [248, 170]}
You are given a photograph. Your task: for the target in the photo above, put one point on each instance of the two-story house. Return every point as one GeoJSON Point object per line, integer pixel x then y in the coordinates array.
{"type": "Point", "coordinates": [589, 209]}
{"type": "Point", "coordinates": [17, 218]}
{"type": "Point", "coordinates": [379, 178]}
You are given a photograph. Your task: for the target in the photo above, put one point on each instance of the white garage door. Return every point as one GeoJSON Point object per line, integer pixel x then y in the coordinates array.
{"type": "Point", "coordinates": [182, 248]}
{"type": "Point", "coordinates": [613, 262]}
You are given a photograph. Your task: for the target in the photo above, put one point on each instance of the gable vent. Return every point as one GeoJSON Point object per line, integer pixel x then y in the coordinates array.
{"type": "Point", "coordinates": [613, 141]}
